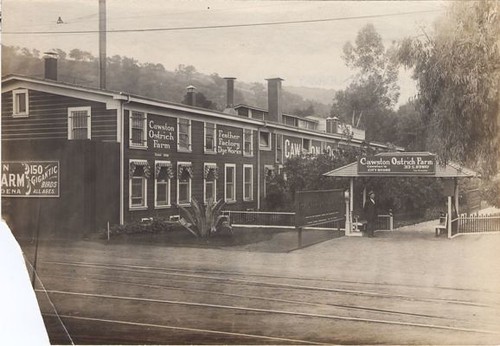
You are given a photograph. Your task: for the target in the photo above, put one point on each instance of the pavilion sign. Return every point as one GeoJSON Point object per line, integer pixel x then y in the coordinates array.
{"type": "Point", "coordinates": [397, 165]}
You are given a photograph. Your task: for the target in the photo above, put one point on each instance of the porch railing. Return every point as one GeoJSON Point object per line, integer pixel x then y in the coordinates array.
{"type": "Point", "coordinates": [385, 222]}
{"type": "Point", "coordinates": [261, 218]}
{"type": "Point", "coordinates": [478, 223]}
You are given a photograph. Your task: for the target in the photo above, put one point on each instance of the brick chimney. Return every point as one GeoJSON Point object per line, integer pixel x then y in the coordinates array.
{"type": "Point", "coordinates": [191, 95]}
{"type": "Point", "coordinates": [274, 100]}
{"type": "Point", "coordinates": [229, 92]}
{"type": "Point", "coordinates": [50, 65]}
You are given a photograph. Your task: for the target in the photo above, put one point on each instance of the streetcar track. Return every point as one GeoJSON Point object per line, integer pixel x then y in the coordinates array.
{"type": "Point", "coordinates": [211, 292]}
{"type": "Point", "coordinates": [272, 311]}
{"type": "Point", "coordinates": [221, 272]}
{"type": "Point", "coordinates": [139, 269]}
{"type": "Point", "coordinates": [207, 331]}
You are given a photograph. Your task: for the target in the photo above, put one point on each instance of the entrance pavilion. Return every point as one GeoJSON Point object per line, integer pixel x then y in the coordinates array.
{"type": "Point", "coordinates": [402, 164]}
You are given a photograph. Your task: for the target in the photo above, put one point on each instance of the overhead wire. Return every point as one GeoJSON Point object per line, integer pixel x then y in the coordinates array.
{"type": "Point", "coordinates": [218, 26]}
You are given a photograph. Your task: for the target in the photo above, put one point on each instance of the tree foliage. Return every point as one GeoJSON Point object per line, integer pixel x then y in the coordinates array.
{"type": "Point", "coordinates": [457, 67]}
{"type": "Point", "coordinates": [368, 100]}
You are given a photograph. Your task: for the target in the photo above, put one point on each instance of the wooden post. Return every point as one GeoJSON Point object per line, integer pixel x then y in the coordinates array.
{"type": "Point", "coordinates": [348, 226]}
{"type": "Point", "coordinates": [35, 260]}
{"type": "Point", "coordinates": [456, 196]}
{"type": "Point", "coordinates": [299, 234]}
{"type": "Point", "coordinates": [364, 195]}
{"type": "Point", "coordinates": [449, 216]}
{"type": "Point", "coordinates": [351, 195]}
{"type": "Point", "coordinates": [102, 44]}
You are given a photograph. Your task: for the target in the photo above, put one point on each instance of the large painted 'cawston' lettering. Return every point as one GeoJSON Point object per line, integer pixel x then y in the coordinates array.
{"type": "Point", "coordinates": [292, 149]}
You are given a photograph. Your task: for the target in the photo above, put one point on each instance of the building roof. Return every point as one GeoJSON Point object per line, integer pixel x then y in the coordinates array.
{"type": "Point", "coordinates": [241, 105]}
{"type": "Point", "coordinates": [448, 170]}
{"type": "Point", "coordinates": [89, 92]}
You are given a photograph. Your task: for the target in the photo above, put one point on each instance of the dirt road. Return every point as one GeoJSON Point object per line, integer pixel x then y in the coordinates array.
{"type": "Point", "coordinates": [401, 287]}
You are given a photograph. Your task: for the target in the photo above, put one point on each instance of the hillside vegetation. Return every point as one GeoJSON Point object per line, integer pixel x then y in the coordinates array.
{"type": "Point", "coordinates": [154, 81]}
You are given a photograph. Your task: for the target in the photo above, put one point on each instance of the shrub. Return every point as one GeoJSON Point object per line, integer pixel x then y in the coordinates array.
{"type": "Point", "coordinates": [156, 225]}
{"type": "Point", "coordinates": [203, 220]}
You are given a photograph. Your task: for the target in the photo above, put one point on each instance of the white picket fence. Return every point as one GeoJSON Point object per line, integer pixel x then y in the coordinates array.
{"type": "Point", "coordinates": [478, 223]}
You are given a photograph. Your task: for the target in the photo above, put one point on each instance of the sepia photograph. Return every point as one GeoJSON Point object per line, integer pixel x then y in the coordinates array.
{"type": "Point", "coordinates": [250, 172]}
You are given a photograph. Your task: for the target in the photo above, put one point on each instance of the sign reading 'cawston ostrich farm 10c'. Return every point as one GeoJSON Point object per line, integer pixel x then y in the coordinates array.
{"type": "Point", "coordinates": [397, 165]}
{"type": "Point", "coordinates": [30, 179]}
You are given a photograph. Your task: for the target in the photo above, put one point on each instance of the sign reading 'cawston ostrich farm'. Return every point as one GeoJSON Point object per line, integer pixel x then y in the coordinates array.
{"type": "Point", "coordinates": [397, 165]}
{"type": "Point", "coordinates": [30, 179]}
{"type": "Point", "coordinates": [161, 134]}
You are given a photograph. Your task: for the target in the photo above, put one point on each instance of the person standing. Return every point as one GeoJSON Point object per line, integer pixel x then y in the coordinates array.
{"type": "Point", "coordinates": [370, 210]}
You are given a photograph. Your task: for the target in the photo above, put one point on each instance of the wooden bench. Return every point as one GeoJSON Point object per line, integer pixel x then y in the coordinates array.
{"type": "Point", "coordinates": [442, 228]}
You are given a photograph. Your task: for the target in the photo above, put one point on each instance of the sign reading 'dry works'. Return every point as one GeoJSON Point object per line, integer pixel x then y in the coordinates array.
{"type": "Point", "coordinates": [397, 165]}
{"type": "Point", "coordinates": [30, 179]}
{"type": "Point", "coordinates": [229, 140]}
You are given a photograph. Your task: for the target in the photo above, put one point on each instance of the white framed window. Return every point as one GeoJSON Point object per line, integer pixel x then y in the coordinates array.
{"type": "Point", "coordinates": [279, 148]}
{"type": "Point", "coordinates": [230, 183]}
{"type": "Point", "coordinates": [269, 174]}
{"type": "Point", "coordinates": [306, 145]}
{"type": "Point", "coordinates": [210, 138]}
{"type": "Point", "coordinates": [248, 182]}
{"type": "Point", "coordinates": [20, 103]}
{"type": "Point", "coordinates": [247, 142]}
{"type": "Point", "coordinates": [210, 176]}
{"type": "Point", "coordinates": [137, 130]}
{"type": "Point", "coordinates": [183, 135]}
{"type": "Point", "coordinates": [184, 177]}
{"type": "Point", "coordinates": [163, 176]}
{"type": "Point", "coordinates": [139, 172]}
{"type": "Point", "coordinates": [79, 123]}
{"type": "Point", "coordinates": [265, 140]}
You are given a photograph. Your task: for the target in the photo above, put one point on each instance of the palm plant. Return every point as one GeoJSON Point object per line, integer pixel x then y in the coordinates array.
{"type": "Point", "coordinates": [201, 220]}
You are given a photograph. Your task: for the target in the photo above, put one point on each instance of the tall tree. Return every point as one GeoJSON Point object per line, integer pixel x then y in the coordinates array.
{"type": "Point", "coordinates": [369, 99]}
{"type": "Point", "coordinates": [457, 67]}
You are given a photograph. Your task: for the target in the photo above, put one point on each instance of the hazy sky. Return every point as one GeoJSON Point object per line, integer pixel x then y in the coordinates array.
{"type": "Point", "coordinates": [304, 54]}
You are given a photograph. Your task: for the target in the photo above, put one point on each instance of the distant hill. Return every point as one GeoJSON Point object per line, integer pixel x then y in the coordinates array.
{"type": "Point", "coordinates": [154, 81]}
{"type": "Point", "coordinates": [317, 94]}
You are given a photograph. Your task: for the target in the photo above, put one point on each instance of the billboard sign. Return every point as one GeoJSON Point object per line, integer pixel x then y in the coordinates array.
{"type": "Point", "coordinates": [30, 179]}
{"type": "Point", "coordinates": [395, 165]}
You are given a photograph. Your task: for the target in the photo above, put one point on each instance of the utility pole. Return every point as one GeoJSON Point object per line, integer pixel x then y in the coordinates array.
{"type": "Point", "coordinates": [102, 44]}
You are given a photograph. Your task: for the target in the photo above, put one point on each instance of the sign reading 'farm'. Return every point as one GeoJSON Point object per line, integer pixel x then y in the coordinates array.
{"type": "Point", "coordinates": [397, 165]}
{"type": "Point", "coordinates": [30, 179]}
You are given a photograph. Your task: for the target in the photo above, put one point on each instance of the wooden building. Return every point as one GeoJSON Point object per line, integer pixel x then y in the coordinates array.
{"type": "Point", "coordinates": [122, 157]}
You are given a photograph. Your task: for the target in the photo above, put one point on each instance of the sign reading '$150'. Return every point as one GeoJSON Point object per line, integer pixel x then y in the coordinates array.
{"type": "Point", "coordinates": [30, 179]}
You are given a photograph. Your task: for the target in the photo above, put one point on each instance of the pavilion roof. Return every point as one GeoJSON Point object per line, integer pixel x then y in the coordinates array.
{"type": "Point", "coordinates": [448, 170]}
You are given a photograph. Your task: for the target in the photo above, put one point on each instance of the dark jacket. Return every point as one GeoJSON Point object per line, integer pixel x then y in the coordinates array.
{"type": "Point", "coordinates": [370, 210]}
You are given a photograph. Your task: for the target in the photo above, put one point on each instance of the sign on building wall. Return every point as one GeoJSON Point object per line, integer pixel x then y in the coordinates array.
{"type": "Point", "coordinates": [292, 146]}
{"type": "Point", "coordinates": [315, 148]}
{"type": "Point", "coordinates": [161, 134]}
{"type": "Point", "coordinates": [330, 148]}
{"type": "Point", "coordinates": [30, 179]}
{"type": "Point", "coordinates": [229, 140]}
{"type": "Point", "coordinates": [397, 165]}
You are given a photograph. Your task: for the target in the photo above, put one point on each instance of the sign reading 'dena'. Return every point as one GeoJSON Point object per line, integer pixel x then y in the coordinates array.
{"type": "Point", "coordinates": [397, 165]}
{"type": "Point", "coordinates": [30, 179]}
